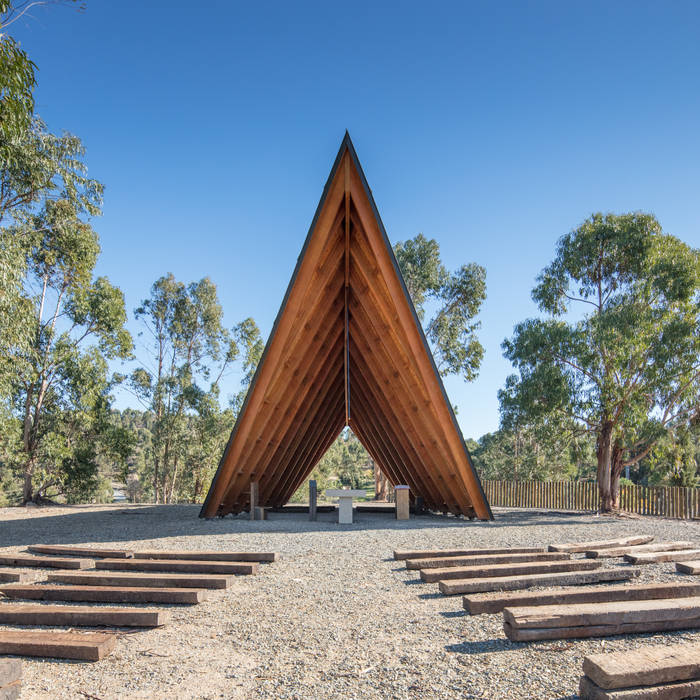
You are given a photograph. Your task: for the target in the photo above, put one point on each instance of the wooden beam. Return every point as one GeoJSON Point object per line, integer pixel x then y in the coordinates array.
{"type": "Point", "coordinates": [400, 554]}
{"type": "Point", "coordinates": [462, 572]}
{"type": "Point", "coordinates": [80, 616]}
{"type": "Point", "coordinates": [106, 594]}
{"type": "Point", "coordinates": [513, 583]}
{"type": "Point", "coordinates": [142, 580]}
{"type": "Point", "coordinates": [90, 646]}
{"type": "Point", "coordinates": [600, 619]}
{"type": "Point", "coordinates": [44, 562]}
{"type": "Point", "coordinates": [69, 550]}
{"type": "Point", "coordinates": [205, 555]}
{"type": "Point", "coordinates": [183, 566]}
{"type": "Point", "coordinates": [480, 603]}
{"type": "Point", "coordinates": [656, 557]}
{"type": "Point", "coordinates": [484, 560]}
{"type": "Point", "coordinates": [601, 544]}
{"type": "Point", "coordinates": [646, 666]}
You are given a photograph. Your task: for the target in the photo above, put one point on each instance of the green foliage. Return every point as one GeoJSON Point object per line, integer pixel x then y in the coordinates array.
{"type": "Point", "coordinates": [191, 350]}
{"type": "Point", "coordinates": [455, 297]}
{"type": "Point", "coordinates": [346, 464]}
{"type": "Point", "coordinates": [627, 368]}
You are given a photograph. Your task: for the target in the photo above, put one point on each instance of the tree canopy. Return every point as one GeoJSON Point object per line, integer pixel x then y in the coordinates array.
{"type": "Point", "coordinates": [618, 351]}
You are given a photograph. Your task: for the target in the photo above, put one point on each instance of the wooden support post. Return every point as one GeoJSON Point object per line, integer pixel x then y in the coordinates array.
{"type": "Point", "coordinates": [313, 498]}
{"type": "Point", "coordinates": [260, 513]}
{"type": "Point", "coordinates": [402, 510]}
{"type": "Point", "coordinates": [253, 498]}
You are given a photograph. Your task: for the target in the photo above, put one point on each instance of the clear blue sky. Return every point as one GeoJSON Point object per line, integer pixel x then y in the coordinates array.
{"type": "Point", "coordinates": [492, 127]}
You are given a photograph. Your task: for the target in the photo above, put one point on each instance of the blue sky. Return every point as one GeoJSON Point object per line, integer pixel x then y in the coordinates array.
{"type": "Point", "coordinates": [492, 127]}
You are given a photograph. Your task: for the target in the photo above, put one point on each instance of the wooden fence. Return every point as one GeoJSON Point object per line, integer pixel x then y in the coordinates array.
{"type": "Point", "coordinates": [668, 501]}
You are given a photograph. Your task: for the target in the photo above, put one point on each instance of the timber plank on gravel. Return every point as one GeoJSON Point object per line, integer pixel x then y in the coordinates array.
{"type": "Point", "coordinates": [97, 578]}
{"type": "Point", "coordinates": [85, 646]}
{"type": "Point", "coordinates": [513, 583]}
{"type": "Point", "coordinates": [645, 666]}
{"type": "Point", "coordinates": [457, 572]}
{"type": "Point", "coordinates": [441, 562]}
{"type": "Point", "coordinates": [44, 562]}
{"type": "Point", "coordinates": [656, 557]}
{"type": "Point", "coordinates": [688, 567]}
{"type": "Point", "coordinates": [429, 553]}
{"type": "Point", "coordinates": [9, 576]}
{"type": "Point", "coordinates": [600, 544]}
{"type": "Point", "coordinates": [588, 690]}
{"type": "Point", "coordinates": [179, 565]}
{"type": "Point", "coordinates": [80, 616]}
{"type": "Point", "coordinates": [106, 594]}
{"type": "Point", "coordinates": [77, 551]}
{"type": "Point", "coordinates": [480, 603]}
{"type": "Point", "coordinates": [640, 549]}
{"type": "Point", "coordinates": [207, 556]}
{"type": "Point", "coordinates": [600, 619]}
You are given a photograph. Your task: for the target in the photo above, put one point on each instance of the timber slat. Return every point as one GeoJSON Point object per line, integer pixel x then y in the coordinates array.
{"type": "Point", "coordinates": [81, 646]}
{"type": "Point", "coordinates": [70, 550]}
{"type": "Point", "coordinates": [80, 616]}
{"type": "Point", "coordinates": [462, 572]}
{"type": "Point", "coordinates": [207, 556]}
{"type": "Point", "coordinates": [526, 634]}
{"type": "Point", "coordinates": [480, 603]}
{"type": "Point", "coordinates": [644, 666]}
{"type": "Point", "coordinates": [513, 583]}
{"type": "Point", "coordinates": [28, 560]}
{"type": "Point", "coordinates": [431, 553]}
{"type": "Point", "coordinates": [588, 690]}
{"type": "Point", "coordinates": [106, 594]}
{"type": "Point", "coordinates": [656, 557]}
{"type": "Point", "coordinates": [486, 559]}
{"type": "Point", "coordinates": [179, 565]}
{"type": "Point", "coordinates": [9, 576]}
{"type": "Point", "coordinates": [600, 544]}
{"type": "Point", "coordinates": [600, 619]}
{"type": "Point", "coordinates": [688, 567]}
{"type": "Point", "coordinates": [640, 549]}
{"type": "Point", "coordinates": [136, 580]}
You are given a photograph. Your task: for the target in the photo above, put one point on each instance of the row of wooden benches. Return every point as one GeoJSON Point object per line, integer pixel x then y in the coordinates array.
{"type": "Point", "coordinates": [144, 586]}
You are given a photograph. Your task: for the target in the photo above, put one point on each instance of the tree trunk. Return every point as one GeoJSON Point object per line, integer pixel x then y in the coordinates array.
{"type": "Point", "coordinates": [615, 474]}
{"type": "Point", "coordinates": [27, 490]}
{"type": "Point", "coordinates": [155, 478]}
{"type": "Point", "coordinates": [604, 454]}
{"type": "Point", "coordinates": [381, 484]}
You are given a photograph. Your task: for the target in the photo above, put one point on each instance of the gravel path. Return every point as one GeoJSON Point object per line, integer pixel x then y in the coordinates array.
{"type": "Point", "coordinates": [335, 618]}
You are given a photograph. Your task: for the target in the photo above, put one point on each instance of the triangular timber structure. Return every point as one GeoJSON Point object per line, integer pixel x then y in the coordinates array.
{"type": "Point", "coordinates": [347, 349]}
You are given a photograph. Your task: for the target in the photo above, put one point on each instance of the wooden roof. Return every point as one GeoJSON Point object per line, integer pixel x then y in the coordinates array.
{"type": "Point", "coordinates": [346, 349]}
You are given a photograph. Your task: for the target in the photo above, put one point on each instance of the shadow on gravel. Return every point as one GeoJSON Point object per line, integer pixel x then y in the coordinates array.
{"type": "Point", "coordinates": [454, 613]}
{"type": "Point", "coordinates": [485, 646]}
{"type": "Point", "coordinates": [114, 523]}
{"type": "Point", "coordinates": [430, 596]}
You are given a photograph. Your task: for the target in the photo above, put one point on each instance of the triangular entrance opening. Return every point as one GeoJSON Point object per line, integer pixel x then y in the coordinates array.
{"type": "Point", "coordinates": [347, 349]}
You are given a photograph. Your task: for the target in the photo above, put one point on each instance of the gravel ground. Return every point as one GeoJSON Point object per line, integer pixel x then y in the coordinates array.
{"type": "Point", "coordinates": [336, 617]}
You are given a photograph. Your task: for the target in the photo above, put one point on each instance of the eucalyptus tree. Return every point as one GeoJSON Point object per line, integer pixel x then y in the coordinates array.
{"type": "Point", "coordinates": [60, 385]}
{"type": "Point", "coordinates": [455, 299]}
{"type": "Point", "coordinates": [618, 351]}
{"type": "Point", "coordinates": [190, 350]}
